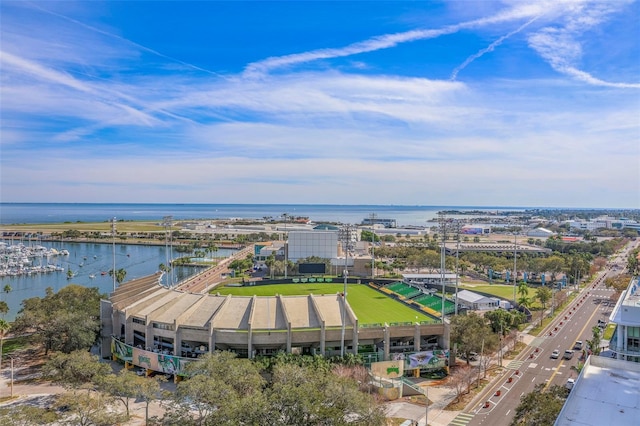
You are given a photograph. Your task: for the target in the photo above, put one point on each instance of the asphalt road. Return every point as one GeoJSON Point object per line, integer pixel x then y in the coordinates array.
{"type": "Point", "coordinates": [497, 403]}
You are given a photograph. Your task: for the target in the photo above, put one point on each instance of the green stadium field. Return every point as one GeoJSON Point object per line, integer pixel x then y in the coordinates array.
{"type": "Point", "coordinates": [370, 306]}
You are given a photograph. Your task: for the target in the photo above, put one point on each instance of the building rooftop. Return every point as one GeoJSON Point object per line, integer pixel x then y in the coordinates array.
{"type": "Point", "coordinates": [627, 310]}
{"type": "Point", "coordinates": [605, 393]}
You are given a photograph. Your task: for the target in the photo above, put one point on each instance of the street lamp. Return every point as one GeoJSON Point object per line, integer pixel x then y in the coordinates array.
{"type": "Point", "coordinates": [11, 382]}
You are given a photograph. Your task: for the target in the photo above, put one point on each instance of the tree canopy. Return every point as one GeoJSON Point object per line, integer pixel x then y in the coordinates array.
{"type": "Point", "coordinates": [65, 321]}
{"type": "Point", "coordinates": [540, 407]}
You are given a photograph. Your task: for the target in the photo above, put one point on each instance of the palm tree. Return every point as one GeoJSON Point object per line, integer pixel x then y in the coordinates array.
{"type": "Point", "coordinates": [120, 275]}
{"type": "Point", "coordinates": [523, 292]}
{"type": "Point", "coordinates": [4, 329]}
{"type": "Point", "coordinates": [211, 249]}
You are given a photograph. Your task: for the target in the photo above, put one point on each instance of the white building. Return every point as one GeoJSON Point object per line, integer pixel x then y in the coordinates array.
{"type": "Point", "coordinates": [540, 232]}
{"type": "Point", "coordinates": [605, 393]}
{"type": "Point", "coordinates": [303, 244]}
{"type": "Point", "coordinates": [625, 342]}
{"type": "Point", "coordinates": [477, 302]}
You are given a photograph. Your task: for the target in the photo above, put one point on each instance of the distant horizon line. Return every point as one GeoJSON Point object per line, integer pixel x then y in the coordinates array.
{"type": "Point", "coordinates": [322, 204]}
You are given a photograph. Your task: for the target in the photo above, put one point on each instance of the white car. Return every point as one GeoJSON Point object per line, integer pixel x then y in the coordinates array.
{"type": "Point", "coordinates": [555, 354]}
{"type": "Point", "coordinates": [569, 384]}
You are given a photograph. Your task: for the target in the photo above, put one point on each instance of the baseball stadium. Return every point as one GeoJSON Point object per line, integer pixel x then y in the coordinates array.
{"type": "Point", "coordinates": [148, 325]}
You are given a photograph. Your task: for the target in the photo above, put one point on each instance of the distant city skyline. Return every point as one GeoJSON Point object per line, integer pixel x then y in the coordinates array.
{"type": "Point", "coordinates": [481, 103]}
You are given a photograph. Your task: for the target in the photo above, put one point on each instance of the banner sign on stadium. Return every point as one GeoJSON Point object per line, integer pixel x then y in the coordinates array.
{"type": "Point", "coordinates": [121, 350]}
{"type": "Point", "coordinates": [163, 363]}
{"type": "Point", "coordinates": [427, 359]}
{"type": "Point", "coordinates": [169, 364]}
{"type": "Point", "coordinates": [388, 369]}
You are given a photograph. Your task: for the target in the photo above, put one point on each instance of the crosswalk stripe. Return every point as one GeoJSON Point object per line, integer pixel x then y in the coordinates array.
{"type": "Point", "coordinates": [461, 419]}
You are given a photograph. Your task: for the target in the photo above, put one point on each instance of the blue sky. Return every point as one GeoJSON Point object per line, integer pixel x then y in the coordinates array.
{"type": "Point", "coordinates": [497, 103]}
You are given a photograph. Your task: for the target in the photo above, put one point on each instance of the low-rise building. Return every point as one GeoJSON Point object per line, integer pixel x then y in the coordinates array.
{"type": "Point", "coordinates": [625, 342]}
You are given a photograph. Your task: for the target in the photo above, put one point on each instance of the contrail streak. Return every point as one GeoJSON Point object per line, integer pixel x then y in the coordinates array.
{"type": "Point", "coordinates": [489, 48]}
{"type": "Point", "coordinates": [133, 43]}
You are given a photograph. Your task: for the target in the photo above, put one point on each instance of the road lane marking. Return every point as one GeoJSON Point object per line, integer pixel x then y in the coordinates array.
{"type": "Point", "coordinates": [586, 324]}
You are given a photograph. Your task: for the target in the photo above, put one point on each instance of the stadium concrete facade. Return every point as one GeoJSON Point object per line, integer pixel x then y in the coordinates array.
{"type": "Point", "coordinates": [144, 321]}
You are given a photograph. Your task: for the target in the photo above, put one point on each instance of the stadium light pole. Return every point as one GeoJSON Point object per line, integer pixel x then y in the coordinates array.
{"type": "Point", "coordinates": [515, 260]}
{"type": "Point", "coordinates": [373, 243]}
{"type": "Point", "coordinates": [346, 240]}
{"type": "Point", "coordinates": [457, 263]}
{"type": "Point", "coordinates": [167, 222]}
{"type": "Point", "coordinates": [113, 241]}
{"type": "Point", "coordinates": [286, 254]}
{"type": "Point", "coordinates": [442, 262]}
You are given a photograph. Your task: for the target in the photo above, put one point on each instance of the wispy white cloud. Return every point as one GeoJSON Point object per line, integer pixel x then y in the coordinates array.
{"type": "Point", "coordinates": [386, 41]}
{"type": "Point", "coordinates": [560, 44]}
{"type": "Point", "coordinates": [296, 135]}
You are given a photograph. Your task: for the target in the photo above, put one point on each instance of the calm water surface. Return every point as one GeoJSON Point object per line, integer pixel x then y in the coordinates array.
{"type": "Point", "coordinates": [137, 260]}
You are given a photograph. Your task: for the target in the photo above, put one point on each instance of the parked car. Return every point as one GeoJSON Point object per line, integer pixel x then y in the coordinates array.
{"type": "Point", "coordinates": [555, 354]}
{"type": "Point", "coordinates": [569, 384]}
{"type": "Point", "coordinates": [568, 354]}
{"type": "Point", "coordinates": [472, 356]}
{"type": "Point", "coordinates": [578, 345]}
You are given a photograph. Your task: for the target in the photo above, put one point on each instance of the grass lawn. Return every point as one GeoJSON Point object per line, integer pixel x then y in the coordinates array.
{"type": "Point", "coordinates": [369, 305]}
{"type": "Point", "coordinates": [500, 290]}
{"type": "Point", "coordinates": [14, 343]}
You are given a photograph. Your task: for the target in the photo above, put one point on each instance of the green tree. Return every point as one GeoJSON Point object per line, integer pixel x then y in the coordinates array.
{"type": "Point", "coordinates": [120, 275]}
{"type": "Point", "coordinates": [594, 343]}
{"type": "Point", "coordinates": [65, 321]}
{"type": "Point", "coordinates": [4, 329]}
{"type": "Point", "coordinates": [78, 369]}
{"type": "Point", "coordinates": [501, 321]}
{"type": "Point", "coordinates": [306, 396]}
{"type": "Point", "coordinates": [164, 268]}
{"type": "Point", "coordinates": [632, 262]}
{"type": "Point", "coordinates": [523, 295]}
{"type": "Point", "coordinates": [4, 308]}
{"type": "Point", "coordinates": [543, 294]}
{"type": "Point", "coordinates": [149, 391]}
{"type": "Point", "coordinates": [122, 386]}
{"type": "Point", "coordinates": [26, 415]}
{"type": "Point", "coordinates": [218, 387]}
{"type": "Point", "coordinates": [88, 409]}
{"type": "Point", "coordinates": [472, 333]}
{"type": "Point", "coordinates": [540, 407]}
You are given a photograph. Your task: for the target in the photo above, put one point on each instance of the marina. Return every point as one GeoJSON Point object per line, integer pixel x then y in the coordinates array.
{"type": "Point", "coordinates": [96, 260]}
